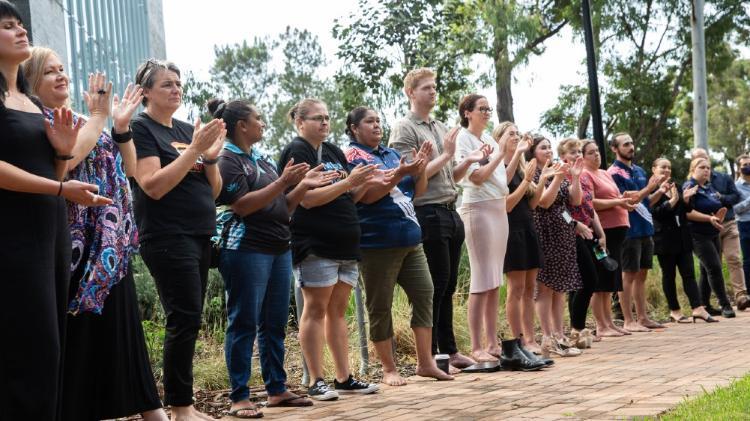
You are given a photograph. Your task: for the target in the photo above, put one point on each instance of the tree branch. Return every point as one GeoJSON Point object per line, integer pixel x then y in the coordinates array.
{"type": "Point", "coordinates": [532, 44]}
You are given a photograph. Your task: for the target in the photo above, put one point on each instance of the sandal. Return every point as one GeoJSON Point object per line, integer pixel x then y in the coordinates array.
{"type": "Point", "coordinates": [289, 402]}
{"type": "Point", "coordinates": [254, 412]}
{"type": "Point", "coordinates": [681, 319]}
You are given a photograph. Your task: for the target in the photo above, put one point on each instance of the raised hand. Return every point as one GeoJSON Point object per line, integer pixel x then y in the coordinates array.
{"type": "Point", "coordinates": [408, 168]}
{"type": "Point", "coordinates": [479, 154]}
{"type": "Point", "coordinates": [655, 181]}
{"type": "Point", "coordinates": [548, 171]}
{"type": "Point", "coordinates": [577, 168]}
{"type": "Point", "coordinates": [360, 174]}
{"type": "Point", "coordinates": [213, 151]}
{"type": "Point", "coordinates": [449, 142]}
{"type": "Point", "coordinates": [524, 144]}
{"type": "Point", "coordinates": [562, 168]}
{"type": "Point", "coordinates": [123, 109]}
{"type": "Point", "coordinates": [293, 173]}
{"type": "Point", "coordinates": [425, 151]}
{"type": "Point", "coordinates": [316, 177]}
{"type": "Point", "coordinates": [83, 194]}
{"type": "Point", "coordinates": [62, 136]}
{"type": "Point", "coordinates": [204, 136]}
{"type": "Point", "coordinates": [530, 170]}
{"type": "Point", "coordinates": [689, 192]}
{"type": "Point", "coordinates": [98, 103]}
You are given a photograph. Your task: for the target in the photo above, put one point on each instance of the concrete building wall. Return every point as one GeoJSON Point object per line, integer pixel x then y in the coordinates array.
{"type": "Point", "coordinates": [48, 19]}
{"type": "Point", "coordinates": [157, 44]}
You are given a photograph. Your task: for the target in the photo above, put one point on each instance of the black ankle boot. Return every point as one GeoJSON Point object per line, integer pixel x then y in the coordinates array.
{"type": "Point", "coordinates": [513, 357]}
{"type": "Point", "coordinates": [727, 312]}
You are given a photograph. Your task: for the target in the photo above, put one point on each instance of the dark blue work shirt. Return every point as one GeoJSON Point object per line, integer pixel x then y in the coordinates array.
{"type": "Point", "coordinates": [391, 221]}
{"type": "Point", "coordinates": [634, 179]}
{"type": "Point", "coordinates": [706, 200]}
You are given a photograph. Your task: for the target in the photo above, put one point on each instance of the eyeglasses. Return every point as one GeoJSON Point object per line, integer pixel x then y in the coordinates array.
{"type": "Point", "coordinates": [485, 109]}
{"type": "Point", "coordinates": [319, 118]}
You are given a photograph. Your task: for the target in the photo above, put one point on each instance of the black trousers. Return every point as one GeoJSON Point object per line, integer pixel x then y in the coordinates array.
{"type": "Point", "coordinates": [670, 263]}
{"type": "Point", "coordinates": [708, 250]}
{"type": "Point", "coordinates": [578, 301]}
{"type": "Point", "coordinates": [442, 237]}
{"type": "Point", "coordinates": [35, 256]}
{"type": "Point", "coordinates": [179, 265]}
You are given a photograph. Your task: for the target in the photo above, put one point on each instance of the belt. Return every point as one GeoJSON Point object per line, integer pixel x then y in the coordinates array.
{"type": "Point", "coordinates": [450, 206]}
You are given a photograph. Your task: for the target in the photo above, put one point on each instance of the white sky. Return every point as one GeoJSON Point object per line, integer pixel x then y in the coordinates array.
{"type": "Point", "coordinates": [193, 27]}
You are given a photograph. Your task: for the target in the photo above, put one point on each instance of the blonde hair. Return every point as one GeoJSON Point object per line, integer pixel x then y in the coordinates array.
{"type": "Point", "coordinates": [301, 109]}
{"type": "Point", "coordinates": [412, 79]}
{"type": "Point", "coordinates": [694, 164]}
{"type": "Point", "coordinates": [567, 144]}
{"type": "Point", "coordinates": [33, 68]}
{"type": "Point", "coordinates": [497, 133]}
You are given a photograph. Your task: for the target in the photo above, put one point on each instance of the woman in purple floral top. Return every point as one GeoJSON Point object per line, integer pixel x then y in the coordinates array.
{"type": "Point", "coordinates": [107, 370]}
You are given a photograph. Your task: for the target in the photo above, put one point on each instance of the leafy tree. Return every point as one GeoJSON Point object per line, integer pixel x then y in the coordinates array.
{"type": "Point", "coordinates": [729, 111]}
{"type": "Point", "coordinates": [645, 63]}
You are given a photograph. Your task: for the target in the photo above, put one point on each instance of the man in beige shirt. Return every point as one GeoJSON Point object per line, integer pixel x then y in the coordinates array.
{"type": "Point", "coordinates": [442, 229]}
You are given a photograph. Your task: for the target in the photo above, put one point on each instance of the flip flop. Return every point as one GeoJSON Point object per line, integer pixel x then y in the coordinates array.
{"type": "Point", "coordinates": [289, 402]}
{"type": "Point", "coordinates": [235, 412]}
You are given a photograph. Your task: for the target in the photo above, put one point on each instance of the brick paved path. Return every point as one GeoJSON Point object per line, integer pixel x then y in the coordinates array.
{"type": "Point", "coordinates": [619, 378]}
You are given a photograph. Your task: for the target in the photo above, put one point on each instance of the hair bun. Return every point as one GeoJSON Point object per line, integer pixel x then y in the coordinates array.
{"type": "Point", "coordinates": [216, 107]}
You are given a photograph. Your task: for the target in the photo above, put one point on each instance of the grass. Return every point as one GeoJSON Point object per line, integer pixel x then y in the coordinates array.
{"type": "Point", "coordinates": [725, 403]}
{"type": "Point", "coordinates": [210, 369]}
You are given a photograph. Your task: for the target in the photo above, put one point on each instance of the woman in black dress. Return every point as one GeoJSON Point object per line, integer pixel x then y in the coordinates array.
{"type": "Point", "coordinates": [523, 256]}
{"type": "Point", "coordinates": [107, 373]}
{"type": "Point", "coordinates": [34, 238]}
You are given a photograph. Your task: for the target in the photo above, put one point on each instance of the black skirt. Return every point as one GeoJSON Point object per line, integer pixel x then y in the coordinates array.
{"type": "Point", "coordinates": [107, 373]}
{"type": "Point", "coordinates": [523, 252]}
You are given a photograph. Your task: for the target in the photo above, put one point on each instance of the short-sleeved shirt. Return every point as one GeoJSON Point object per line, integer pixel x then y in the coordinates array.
{"type": "Point", "coordinates": [331, 230]}
{"type": "Point", "coordinates": [605, 188]}
{"type": "Point", "coordinates": [634, 178]}
{"type": "Point", "coordinates": [391, 221]}
{"type": "Point", "coordinates": [265, 230]}
{"type": "Point", "coordinates": [409, 133]}
{"type": "Point", "coordinates": [496, 186]}
{"type": "Point", "coordinates": [706, 200]}
{"type": "Point", "coordinates": [584, 213]}
{"type": "Point", "coordinates": [189, 207]}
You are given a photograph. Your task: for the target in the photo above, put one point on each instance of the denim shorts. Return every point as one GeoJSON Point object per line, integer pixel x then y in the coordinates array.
{"type": "Point", "coordinates": [319, 272]}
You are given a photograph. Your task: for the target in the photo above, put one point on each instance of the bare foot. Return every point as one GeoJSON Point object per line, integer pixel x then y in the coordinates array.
{"type": "Point", "coordinates": [482, 356]}
{"type": "Point", "coordinates": [621, 330]}
{"type": "Point", "coordinates": [495, 352]}
{"type": "Point", "coordinates": [434, 372]}
{"type": "Point", "coordinates": [188, 413]}
{"type": "Point", "coordinates": [452, 370]}
{"type": "Point", "coordinates": [287, 396]}
{"type": "Point", "coordinates": [460, 360]}
{"type": "Point", "coordinates": [651, 324]}
{"type": "Point", "coordinates": [609, 333]}
{"type": "Point", "coordinates": [392, 378]}
{"type": "Point", "coordinates": [636, 327]}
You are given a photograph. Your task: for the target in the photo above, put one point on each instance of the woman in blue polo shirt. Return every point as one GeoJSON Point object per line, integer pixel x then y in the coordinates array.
{"type": "Point", "coordinates": [391, 242]}
{"type": "Point", "coordinates": [705, 224]}
{"type": "Point", "coordinates": [256, 262]}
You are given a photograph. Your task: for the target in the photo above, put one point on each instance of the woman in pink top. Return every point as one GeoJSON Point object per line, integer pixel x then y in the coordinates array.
{"type": "Point", "coordinates": [612, 209]}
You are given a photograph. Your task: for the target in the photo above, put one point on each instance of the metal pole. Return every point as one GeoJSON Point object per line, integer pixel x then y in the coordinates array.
{"type": "Point", "coordinates": [364, 355]}
{"type": "Point", "coordinates": [596, 109]}
{"type": "Point", "coordinates": [299, 300]}
{"type": "Point", "coordinates": [700, 110]}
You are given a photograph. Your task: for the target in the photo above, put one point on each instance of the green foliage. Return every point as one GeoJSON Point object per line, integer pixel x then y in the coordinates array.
{"type": "Point", "coordinates": [729, 111]}
{"type": "Point", "coordinates": [644, 57]}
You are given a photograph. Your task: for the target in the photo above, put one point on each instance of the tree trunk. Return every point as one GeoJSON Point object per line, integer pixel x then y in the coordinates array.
{"type": "Point", "coordinates": [503, 72]}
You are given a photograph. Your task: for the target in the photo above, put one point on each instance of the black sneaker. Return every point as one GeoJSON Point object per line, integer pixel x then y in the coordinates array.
{"type": "Point", "coordinates": [727, 312]}
{"type": "Point", "coordinates": [352, 385]}
{"type": "Point", "coordinates": [321, 392]}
